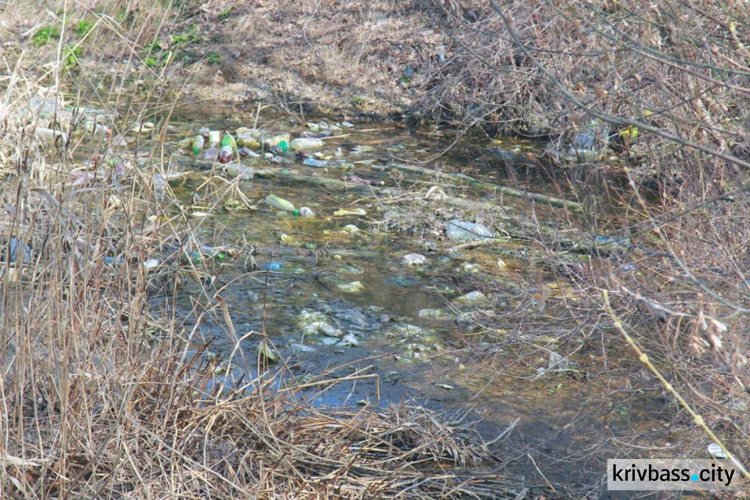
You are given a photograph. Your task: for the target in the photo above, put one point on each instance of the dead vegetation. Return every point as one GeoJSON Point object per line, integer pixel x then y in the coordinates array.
{"type": "Point", "coordinates": [103, 394]}
{"type": "Point", "coordinates": [95, 407]}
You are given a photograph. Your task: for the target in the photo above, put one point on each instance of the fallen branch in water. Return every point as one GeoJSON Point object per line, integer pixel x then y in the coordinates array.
{"type": "Point", "coordinates": [493, 188]}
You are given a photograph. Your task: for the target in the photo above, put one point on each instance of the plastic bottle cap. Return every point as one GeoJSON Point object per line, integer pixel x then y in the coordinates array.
{"type": "Point", "coordinates": [283, 146]}
{"type": "Point", "coordinates": [295, 213]}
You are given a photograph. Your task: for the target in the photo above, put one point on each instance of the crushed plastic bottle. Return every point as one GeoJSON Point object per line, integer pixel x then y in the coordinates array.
{"type": "Point", "coordinates": [210, 154]}
{"type": "Point", "coordinates": [214, 137]}
{"type": "Point", "coordinates": [306, 143]}
{"type": "Point", "coordinates": [51, 137]}
{"type": "Point", "coordinates": [97, 129]}
{"type": "Point", "coordinates": [18, 247]}
{"type": "Point", "coordinates": [313, 162]}
{"type": "Point", "coordinates": [275, 140]}
{"type": "Point", "coordinates": [235, 169]}
{"type": "Point", "coordinates": [282, 204]}
{"type": "Point", "coordinates": [462, 230]}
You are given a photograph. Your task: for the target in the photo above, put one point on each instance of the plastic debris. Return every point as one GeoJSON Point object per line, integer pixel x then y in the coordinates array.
{"type": "Point", "coordinates": [461, 230]}
{"type": "Point", "coordinates": [312, 162]}
{"type": "Point", "coordinates": [305, 143]}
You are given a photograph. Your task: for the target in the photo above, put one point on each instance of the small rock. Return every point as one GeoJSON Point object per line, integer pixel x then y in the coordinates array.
{"type": "Point", "coordinates": [430, 313]}
{"type": "Point", "coordinates": [322, 327]}
{"type": "Point", "coordinates": [353, 287]}
{"type": "Point", "coordinates": [350, 340]}
{"type": "Point", "coordinates": [414, 259]}
{"type": "Point", "coordinates": [151, 264]}
{"type": "Point", "coordinates": [472, 298]}
{"type": "Point", "coordinates": [471, 268]}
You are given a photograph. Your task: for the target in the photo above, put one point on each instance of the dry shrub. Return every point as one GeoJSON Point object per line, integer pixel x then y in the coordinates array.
{"type": "Point", "coordinates": [677, 72]}
{"type": "Point", "coordinates": [554, 68]}
{"type": "Point", "coordinates": [688, 307]}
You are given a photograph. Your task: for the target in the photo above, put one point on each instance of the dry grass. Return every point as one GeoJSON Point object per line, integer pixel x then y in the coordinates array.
{"type": "Point", "coordinates": [95, 405]}
{"type": "Point", "coordinates": [101, 394]}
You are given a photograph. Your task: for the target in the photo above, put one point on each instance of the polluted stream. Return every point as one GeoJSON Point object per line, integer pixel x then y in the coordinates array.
{"type": "Point", "coordinates": [379, 294]}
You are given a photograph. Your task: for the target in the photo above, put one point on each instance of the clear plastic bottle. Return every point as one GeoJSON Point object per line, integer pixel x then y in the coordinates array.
{"type": "Point", "coordinates": [305, 143]}
{"type": "Point", "coordinates": [197, 144]}
{"type": "Point", "coordinates": [214, 137]}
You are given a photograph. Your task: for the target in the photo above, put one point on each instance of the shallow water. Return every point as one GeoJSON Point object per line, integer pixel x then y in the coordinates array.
{"type": "Point", "coordinates": [277, 285]}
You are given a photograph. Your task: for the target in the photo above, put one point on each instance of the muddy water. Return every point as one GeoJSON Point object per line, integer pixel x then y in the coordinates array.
{"type": "Point", "coordinates": [289, 273]}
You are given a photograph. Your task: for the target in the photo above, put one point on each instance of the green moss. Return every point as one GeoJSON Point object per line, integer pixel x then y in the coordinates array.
{"type": "Point", "coordinates": [83, 27]}
{"type": "Point", "coordinates": [43, 35]}
{"type": "Point", "coordinates": [71, 54]}
{"type": "Point", "coordinates": [213, 58]}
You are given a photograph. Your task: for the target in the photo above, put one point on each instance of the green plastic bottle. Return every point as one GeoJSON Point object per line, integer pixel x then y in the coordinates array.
{"type": "Point", "coordinates": [282, 204]}
{"type": "Point", "coordinates": [228, 140]}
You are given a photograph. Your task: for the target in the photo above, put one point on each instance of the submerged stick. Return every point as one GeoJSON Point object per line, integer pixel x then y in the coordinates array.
{"type": "Point", "coordinates": [494, 188]}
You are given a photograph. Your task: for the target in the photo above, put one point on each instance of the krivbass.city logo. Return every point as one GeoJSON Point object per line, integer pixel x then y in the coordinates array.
{"type": "Point", "coordinates": [673, 474]}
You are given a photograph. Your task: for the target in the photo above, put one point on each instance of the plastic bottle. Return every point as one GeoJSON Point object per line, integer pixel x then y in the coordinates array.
{"type": "Point", "coordinates": [228, 146]}
{"type": "Point", "coordinates": [462, 230]}
{"type": "Point", "coordinates": [305, 143]}
{"type": "Point", "coordinates": [282, 204]}
{"type": "Point", "coordinates": [228, 140]}
{"type": "Point", "coordinates": [225, 154]}
{"type": "Point", "coordinates": [51, 137]}
{"type": "Point", "coordinates": [313, 162]}
{"type": "Point", "coordinates": [197, 144]}
{"type": "Point", "coordinates": [214, 137]}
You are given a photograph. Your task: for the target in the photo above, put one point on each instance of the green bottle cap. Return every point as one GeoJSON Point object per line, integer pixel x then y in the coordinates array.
{"type": "Point", "coordinates": [283, 146]}
{"type": "Point", "coordinates": [295, 213]}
